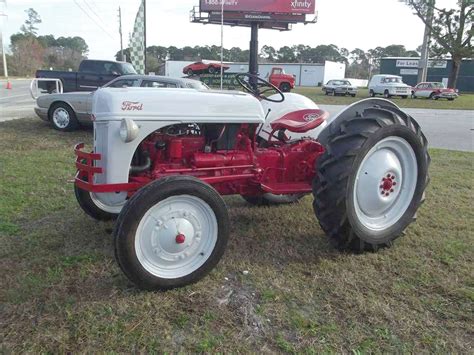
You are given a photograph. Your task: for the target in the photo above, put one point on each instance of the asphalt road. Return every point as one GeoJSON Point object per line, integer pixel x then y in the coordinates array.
{"type": "Point", "coordinates": [17, 102]}
{"type": "Point", "coordinates": [447, 129]}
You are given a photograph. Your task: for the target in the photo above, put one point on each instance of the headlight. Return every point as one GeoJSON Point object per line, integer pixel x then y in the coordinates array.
{"type": "Point", "coordinates": [128, 130]}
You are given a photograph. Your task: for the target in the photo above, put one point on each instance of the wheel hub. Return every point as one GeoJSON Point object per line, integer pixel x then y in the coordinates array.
{"type": "Point", "coordinates": [61, 116]}
{"type": "Point", "coordinates": [388, 184]}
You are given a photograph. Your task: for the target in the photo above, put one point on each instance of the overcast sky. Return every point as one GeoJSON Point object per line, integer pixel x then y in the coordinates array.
{"type": "Point", "coordinates": [351, 24]}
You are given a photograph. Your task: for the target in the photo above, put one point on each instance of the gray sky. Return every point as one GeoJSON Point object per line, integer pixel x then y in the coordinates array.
{"type": "Point", "coordinates": [352, 24]}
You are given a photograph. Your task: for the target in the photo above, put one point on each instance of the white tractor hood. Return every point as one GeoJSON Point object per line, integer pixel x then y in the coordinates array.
{"type": "Point", "coordinates": [181, 105]}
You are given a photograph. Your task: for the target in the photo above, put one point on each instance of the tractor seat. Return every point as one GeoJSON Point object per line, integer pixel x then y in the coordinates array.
{"type": "Point", "coordinates": [300, 121]}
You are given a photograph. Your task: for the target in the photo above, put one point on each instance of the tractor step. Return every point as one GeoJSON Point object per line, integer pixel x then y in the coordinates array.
{"type": "Point", "coordinates": [287, 188]}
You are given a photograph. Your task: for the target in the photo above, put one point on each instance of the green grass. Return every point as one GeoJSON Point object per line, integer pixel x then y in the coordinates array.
{"type": "Point", "coordinates": [61, 290]}
{"type": "Point", "coordinates": [464, 102]}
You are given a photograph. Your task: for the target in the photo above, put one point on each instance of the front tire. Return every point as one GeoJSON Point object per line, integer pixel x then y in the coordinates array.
{"type": "Point", "coordinates": [371, 179]}
{"type": "Point", "coordinates": [171, 233]}
{"type": "Point", "coordinates": [386, 94]}
{"type": "Point", "coordinates": [92, 206]}
{"type": "Point", "coordinates": [212, 70]}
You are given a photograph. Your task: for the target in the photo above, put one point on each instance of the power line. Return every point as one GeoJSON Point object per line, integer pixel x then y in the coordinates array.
{"type": "Point", "coordinates": [92, 19]}
{"type": "Point", "coordinates": [93, 11]}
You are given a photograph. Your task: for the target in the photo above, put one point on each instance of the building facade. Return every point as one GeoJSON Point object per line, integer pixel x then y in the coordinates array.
{"type": "Point", "coordinates": [439, 70]}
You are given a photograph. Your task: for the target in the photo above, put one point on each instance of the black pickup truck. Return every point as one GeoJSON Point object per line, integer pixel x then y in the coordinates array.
{"type": "Point", "coordinates": [92, 74]}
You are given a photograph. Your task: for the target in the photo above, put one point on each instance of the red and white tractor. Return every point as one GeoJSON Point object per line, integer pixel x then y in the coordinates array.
{"type": "Point", "coordinates": [162, 160]}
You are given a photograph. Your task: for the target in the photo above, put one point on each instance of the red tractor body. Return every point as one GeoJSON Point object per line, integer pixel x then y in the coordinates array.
{"type": "Point", "coordinates": [243, 168]}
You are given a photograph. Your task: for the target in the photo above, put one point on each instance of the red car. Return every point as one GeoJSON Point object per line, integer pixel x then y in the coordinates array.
{"type": "Point", "coordinates": [434, 91]}
{"type": "Point", "coordinates": [203, 68]}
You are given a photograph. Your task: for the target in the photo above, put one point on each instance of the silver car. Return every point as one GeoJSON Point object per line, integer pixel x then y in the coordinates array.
{"type": "Point", "coordinates": [340, 87]}
{"type": "Point", "coordinates": [68, 111]}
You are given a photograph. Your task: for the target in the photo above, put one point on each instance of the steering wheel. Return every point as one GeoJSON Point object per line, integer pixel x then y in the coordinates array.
{"type": "Point", "coordinates": [261, 84]}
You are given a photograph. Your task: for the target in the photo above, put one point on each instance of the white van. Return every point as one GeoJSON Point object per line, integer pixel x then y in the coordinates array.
{"type": "Point", "coordinates": [388, 86]}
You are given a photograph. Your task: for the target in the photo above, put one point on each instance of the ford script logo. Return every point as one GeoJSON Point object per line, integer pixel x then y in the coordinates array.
{"type": "Point", "coordinates": [310, 117]}
{"type": "Point", "coordinates": [132, 106]}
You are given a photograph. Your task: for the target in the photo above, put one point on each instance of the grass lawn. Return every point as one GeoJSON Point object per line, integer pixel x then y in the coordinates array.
{"type": "Point", "coordinates": [61, 290]}
{"type": "Point", "coordinates": [464, 102]}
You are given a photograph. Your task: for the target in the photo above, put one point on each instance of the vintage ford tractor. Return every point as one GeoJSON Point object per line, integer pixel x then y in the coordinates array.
{"type": "Point", "coordinates": [162, 160]}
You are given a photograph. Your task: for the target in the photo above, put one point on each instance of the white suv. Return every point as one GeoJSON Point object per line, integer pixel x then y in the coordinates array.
{"type": "Point", "coordinates": [388, 86]}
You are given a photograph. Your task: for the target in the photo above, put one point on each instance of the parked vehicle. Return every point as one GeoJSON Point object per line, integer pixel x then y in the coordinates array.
{"type": "Point", "coordinates": [68, 111]}
{"type": "Point", "coordinates": [388, 86]}
{"type": "Point", "coordinates": [204, 67]}
{"type": "Point", "coordinates": [162, 160]}
{"type": "Point", "coordinates": [434, 91]}
{"type": "Point", "coordinates": [92, 74]}
{"type": "Point", "coordinates": [285, 82]}
{"type": "Point", "coordinates": [339, 87]}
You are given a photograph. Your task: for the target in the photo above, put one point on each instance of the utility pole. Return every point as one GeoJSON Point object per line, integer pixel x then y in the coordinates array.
{"type": "Point", "coordinates": [425, 49]}
{"type": "Point", "coordinates": [144, 39]}
{"type": "Point", "coordinates": [3, 15]}
{"type": "Point", "coordinates": [120, 32]}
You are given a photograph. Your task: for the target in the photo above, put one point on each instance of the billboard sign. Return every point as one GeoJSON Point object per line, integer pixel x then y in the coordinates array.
{"type": "Point", "coordinates": [250, 17]}
{"type": "Point", "coordinates": [261, 6]}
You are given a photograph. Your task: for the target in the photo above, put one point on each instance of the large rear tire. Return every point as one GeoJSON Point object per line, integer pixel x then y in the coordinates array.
{"type": "Point", "coordinates": [171, 233]}
{"type": "Point", "coordinates": [371, 179]}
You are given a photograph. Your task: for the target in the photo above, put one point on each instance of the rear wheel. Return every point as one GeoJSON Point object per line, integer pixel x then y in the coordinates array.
{"type": "Point", "coordinates": [371, 93]}
{"type": "Point", "coordinates": [171, 233]}
{"type": "Point", "coordinates": [63, 117]}
{"type": "Point", "coordinates": [372, 178]}
{"type": "Point", "coordinates": [212, 70]}
{"type": "Point", "coordinates": [285, 87]}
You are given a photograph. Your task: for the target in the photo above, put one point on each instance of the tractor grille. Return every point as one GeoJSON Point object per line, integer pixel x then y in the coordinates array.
{"type": "Point", "coordinates": [101, 140]}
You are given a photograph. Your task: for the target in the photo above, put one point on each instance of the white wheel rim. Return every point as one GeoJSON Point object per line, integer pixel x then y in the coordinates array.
{"type": "Point", "coordinates": [61, 117]}
{"type": "Point", "coordinates": [176, 236]}
{"type": "Point", "coordinates": [385, 183]}
{"type": "Point", "coordinates": [114, 208]}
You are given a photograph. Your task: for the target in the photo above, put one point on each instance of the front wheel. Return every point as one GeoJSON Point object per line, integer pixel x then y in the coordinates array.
{"type": "Point", "coordinates": [212, 70]}
{"type": "Point", "coordinates": [94, 207]}
{"type": "Point", "coordinates": [171, 233]}
{"type": "Point", "coordinates": [386, 94]}
{"type": "Point", "coordinates": [372, 178]}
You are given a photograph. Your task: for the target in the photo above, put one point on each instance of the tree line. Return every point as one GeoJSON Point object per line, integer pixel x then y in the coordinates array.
{"type": "Point", "coordinates": [30, 52]}
{"type": "Point", "coordinates": [360, 64]}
